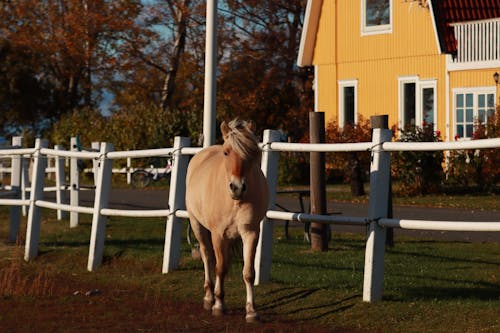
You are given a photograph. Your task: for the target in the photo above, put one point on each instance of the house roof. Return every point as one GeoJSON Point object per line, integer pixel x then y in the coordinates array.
{"type": "Point", "coordinates": [447, 12]}
{"type": "Point", "coordinates": [309, 30]}
{"type": "Point", "coordinates": [444, 13]}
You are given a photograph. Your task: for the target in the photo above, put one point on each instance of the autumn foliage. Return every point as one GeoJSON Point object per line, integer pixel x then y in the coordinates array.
{"type": "Point", "coordinates": [65, 64]}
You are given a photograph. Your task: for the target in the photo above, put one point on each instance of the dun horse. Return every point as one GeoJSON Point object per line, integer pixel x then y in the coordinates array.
{"type": "Point", "coordinates": [226, 197]}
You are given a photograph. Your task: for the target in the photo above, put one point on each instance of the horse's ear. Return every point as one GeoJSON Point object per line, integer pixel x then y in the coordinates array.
{"type": "Point", "coordinates": [251, 126]}
{"type": "Point", "coordinates": [224, 129]}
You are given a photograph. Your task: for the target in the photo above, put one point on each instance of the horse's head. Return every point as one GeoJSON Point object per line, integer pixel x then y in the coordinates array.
{"type": "Point", "coordinates": [241, 151]}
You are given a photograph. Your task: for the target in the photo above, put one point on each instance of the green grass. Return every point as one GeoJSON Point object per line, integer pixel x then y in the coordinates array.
{"type": "Point", "coordinates": [465, 199]}
{"type": "Point", "coordinates": [430, 286]}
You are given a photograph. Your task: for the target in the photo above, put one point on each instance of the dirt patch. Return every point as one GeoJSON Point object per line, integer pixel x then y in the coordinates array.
{"type": "Point", "coordinates": [69, 305]}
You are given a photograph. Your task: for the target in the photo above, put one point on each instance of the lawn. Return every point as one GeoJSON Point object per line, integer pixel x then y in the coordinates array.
{"type": "Point", "coordinates": [430, 286]}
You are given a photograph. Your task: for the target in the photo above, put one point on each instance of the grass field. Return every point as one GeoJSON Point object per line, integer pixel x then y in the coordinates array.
{"type": "Point", "coordinates": [430, 286]}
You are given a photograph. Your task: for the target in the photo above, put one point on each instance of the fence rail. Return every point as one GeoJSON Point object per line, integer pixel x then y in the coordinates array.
{"type": "Point", "coordinates": [376, 221]}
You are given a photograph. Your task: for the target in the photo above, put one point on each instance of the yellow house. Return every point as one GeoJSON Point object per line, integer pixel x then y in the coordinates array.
{"type": "Point", "coordinates": [418, 61]}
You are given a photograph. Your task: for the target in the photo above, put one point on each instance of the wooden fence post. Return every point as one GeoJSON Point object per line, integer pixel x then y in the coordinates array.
{"type": "Point", "coordinates": [319, 231]}
{"type": "Point", "coordinates": [15, 183]}
{"type": "Point", "coordinates": [379, 198]}
{"type": "Point", "coordinates": [37, 182]}
{"type": "Point", "coordinates": [269, 166]}
{"type": "Point", "coordinates": [98, 233]}
{"type": "Point", "coordinates": [60, 183]}
{"type": "Point", "coordinates": [176, 201]}
{"type": "Point", "coordinates": [74, 179]}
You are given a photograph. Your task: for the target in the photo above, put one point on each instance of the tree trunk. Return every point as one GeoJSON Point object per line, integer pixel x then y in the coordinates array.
{"type": "Point", "coordinates": [180, 42]}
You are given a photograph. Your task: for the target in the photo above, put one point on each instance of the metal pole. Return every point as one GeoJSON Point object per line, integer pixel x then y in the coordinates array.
{"type": "Point", "coordinates": [210, 74]}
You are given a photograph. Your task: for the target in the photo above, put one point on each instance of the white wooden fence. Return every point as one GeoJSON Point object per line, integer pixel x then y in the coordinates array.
{"type": "Point", "coordinates": [377, 220]}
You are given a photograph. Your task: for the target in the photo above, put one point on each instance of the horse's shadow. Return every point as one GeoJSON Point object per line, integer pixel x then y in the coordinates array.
{"type": "Point", "coordinates": [294, 299]}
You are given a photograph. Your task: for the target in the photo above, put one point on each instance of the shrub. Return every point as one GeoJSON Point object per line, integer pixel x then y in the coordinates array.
{"type": "Point", "coordinates": [350, 167]}
{"type": "Point", "coordinates": [418, 172]}
{"type": "Point", "coordinates": [293, 168]}
{"type": "Point", "coordinates": [139, 127]}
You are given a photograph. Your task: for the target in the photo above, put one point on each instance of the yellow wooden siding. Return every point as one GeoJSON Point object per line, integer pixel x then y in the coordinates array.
{"type": "Point", "coordinates": [326, 81]}
{"type": "Point", "coordinates": [324, 51]}
{"type": "Point", "coordinates": [378, 83]}
{"type": "Point", "coordinates": [375, 61]}
{"type": "Point", "coordinates": [412, 34]}
{"type": "Point", "coordinates": [473, 78]}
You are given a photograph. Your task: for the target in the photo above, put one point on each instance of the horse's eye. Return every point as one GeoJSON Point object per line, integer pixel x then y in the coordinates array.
{"type": "Point", "coordinates": [226, 153]}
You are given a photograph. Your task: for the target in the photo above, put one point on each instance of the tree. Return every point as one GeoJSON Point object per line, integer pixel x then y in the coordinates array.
{"type": "Point", "coordinates": [154, 61]}
{"type": "Point", "coordinates": [259, 78]}
{"type": "Point", "coordinates": [22, 92]}
{"type": "Point", "coordinates": [69, 46]}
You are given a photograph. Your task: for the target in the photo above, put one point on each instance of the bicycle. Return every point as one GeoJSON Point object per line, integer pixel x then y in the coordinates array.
{"type": "Point", "coordinates": [143, 177]}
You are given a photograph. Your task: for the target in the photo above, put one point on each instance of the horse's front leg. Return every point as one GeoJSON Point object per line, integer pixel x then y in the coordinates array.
{"type": "Point", "coordinates": [207, 256]}
{"type": "Point", "coordinates": [250, 239]}
{"type": "Point", "coordinates": [221, 251]}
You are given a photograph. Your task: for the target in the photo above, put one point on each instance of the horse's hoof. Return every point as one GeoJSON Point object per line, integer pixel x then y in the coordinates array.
{"type": "Point", "coordinates": [207, 305]}
{"type": "Point", "coordinates": [217, 312]}
{"type": "Point", "coordinates": [252, 318]}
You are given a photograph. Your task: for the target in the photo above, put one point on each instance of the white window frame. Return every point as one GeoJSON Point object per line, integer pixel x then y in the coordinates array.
{"type": "Point", "coordinates": [375, 30]}
{"type": "Point", "coordinates": [341, 85]}
{"type": "Point", "coordinates": [419, 86]}
{"type": "Point", "coordinates": [475, 92]}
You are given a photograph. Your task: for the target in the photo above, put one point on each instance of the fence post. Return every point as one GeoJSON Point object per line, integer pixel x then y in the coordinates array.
{"type": "Point", "coordinates": [269, 166]}
{"type": "Point", "coordinates": [176, 200]}
{"type": "Point", "coordinates": [15, 183]}
{"type": "Point", "coordinates": [319, 231]}
{"type": "Point", "coordinates": [129, 173]}
{"type": "Point", "coordinates": [60, 183]}
{"type": "Point", "coordinates": [98, 233]}
{"type": "Point", "coordinates": [379, 198]}
{"type": "Point", "coordinates": [95, 163]}
{"type": "Point", "coordinates": [74, 179]}
{"type": "Point", "coordinates": [25, 181]}
{"type": "Point", "coordinates": [37, 182]}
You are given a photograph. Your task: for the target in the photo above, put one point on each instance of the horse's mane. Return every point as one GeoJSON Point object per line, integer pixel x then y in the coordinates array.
{"type": "Point", "coordinates": [243, 140]}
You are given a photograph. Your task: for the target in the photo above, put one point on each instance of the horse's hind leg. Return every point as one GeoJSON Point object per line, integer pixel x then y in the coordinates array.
{"type": "Point", "coordinates": [250, 239]}
{"type": "Point", "coordinates": [207, 256]}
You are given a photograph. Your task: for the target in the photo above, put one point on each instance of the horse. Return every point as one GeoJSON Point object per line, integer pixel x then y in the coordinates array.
{"type": "Point", "coordinates": [226, 198]}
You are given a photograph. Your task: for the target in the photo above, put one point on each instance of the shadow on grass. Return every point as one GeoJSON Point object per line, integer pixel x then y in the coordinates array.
{"type": "Point", "coordinates": [293, 300]}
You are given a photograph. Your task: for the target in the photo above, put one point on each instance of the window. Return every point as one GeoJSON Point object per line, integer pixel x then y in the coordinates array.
{"type": "Point", "coordinates": [409, 104]}
{"type": "Point", "coordinates": [427, 114]}
{"type": "Point", "coordinates": [417, 102]}
{"type": "Point", "coordinates": [348, 102]}
{"type": "Point", "coordinates": [472, 107]}
{"type": "Point", "coordinates": [376, 16]}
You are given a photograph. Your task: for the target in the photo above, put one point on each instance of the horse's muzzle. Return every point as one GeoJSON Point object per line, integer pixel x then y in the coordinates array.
{"type": "Point", "coordinates": [237, 189]}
